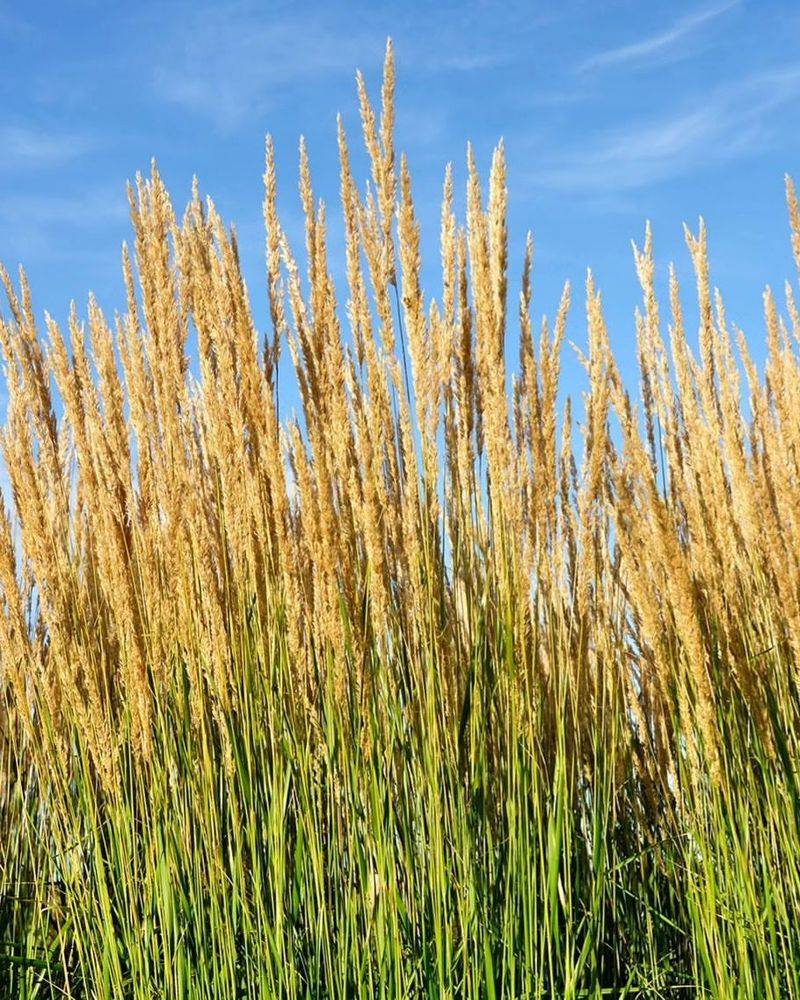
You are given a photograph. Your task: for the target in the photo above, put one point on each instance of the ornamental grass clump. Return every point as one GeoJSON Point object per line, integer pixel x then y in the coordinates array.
{"type": "Point", "coordinates": [408, 695]}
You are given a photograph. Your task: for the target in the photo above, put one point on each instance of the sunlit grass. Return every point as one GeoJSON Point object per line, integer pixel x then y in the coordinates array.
{"type": "Point", "coordinates": [413, 696]}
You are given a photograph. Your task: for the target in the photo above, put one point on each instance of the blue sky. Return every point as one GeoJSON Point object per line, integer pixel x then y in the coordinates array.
{"type": "Point", "coordinates": [612, 113]}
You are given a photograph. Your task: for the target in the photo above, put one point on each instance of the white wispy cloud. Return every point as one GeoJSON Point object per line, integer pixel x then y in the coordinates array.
{"type": "Point", "coordinates": [26, 146]}
{"type": "Point", "coordinates": [34, 225]}
{"type": "Point", "coordinates": [735, 120]}
{"type": "Point", "coordinates": [234, 60]}
{"type": "Point", "coordinates": [665, 42]}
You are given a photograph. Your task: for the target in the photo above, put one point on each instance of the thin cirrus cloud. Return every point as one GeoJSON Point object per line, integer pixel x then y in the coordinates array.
{"type": "Point", "coordinates": [27, 147]}
{"type": "Point", "coordinates": [738, 119]}
{"type": "Point", "coordinates": [233, 62]}
{"type": "Point", "coordinates": [667, 43]}
{"type": "Point", "coordinates": [33, 224]}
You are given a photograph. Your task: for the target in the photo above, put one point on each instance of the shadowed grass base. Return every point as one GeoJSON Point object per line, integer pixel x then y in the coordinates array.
{"type": "Point", "coordinates": [413, 857]}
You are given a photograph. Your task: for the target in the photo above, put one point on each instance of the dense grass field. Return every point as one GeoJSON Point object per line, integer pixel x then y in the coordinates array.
{"type": "Point", "coordinates": [428, 693]}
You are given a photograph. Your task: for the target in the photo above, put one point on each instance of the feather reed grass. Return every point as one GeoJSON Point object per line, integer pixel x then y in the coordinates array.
{"type": "Point", "coordinates": [406, 696]}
